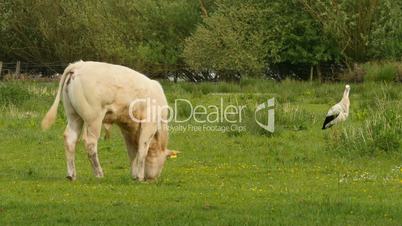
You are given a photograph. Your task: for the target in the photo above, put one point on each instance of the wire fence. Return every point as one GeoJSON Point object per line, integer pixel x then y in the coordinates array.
{"type": "Point", "coordinates": [17, 69]}
{"type": "Point", "coordinates": [20, 69]}
{"type": "Point", "coordinates": [49, 70]}
{"type": "Point", "coordinates": [26, 70]}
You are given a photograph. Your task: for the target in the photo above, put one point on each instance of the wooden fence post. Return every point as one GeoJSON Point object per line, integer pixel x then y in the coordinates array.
{"type": "Point", "coordinates": [318, 72]}
{"type": "Point", "coordinates": [311, 73]}
{"type": "Point", "coordinates": [17, 69]}
{"type": "Point", "coordinates": [1, 67]}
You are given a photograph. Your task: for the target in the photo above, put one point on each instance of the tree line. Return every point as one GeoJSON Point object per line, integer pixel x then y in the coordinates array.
{"type": "Point", "coordinates": [231, 38]}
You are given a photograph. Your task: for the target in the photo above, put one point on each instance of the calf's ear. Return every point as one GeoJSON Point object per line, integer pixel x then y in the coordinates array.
{"type": "Point", "coordinates": [171, 153]}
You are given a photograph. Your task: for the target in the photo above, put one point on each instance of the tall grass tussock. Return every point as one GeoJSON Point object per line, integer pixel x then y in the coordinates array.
{"type": "Point", "coordinates": [380, 130]}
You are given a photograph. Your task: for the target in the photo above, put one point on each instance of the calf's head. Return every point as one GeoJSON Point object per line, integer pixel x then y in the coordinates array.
{"type": "Point", "coordinates": [155, 161]}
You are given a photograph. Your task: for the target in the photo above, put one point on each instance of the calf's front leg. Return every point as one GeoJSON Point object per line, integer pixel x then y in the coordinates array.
{"type": "Point", "coordinates": [147, 132]}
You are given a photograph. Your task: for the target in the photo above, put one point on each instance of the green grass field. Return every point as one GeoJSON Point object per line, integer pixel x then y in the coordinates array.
{"type": "Point", "coordinates": [350, 174]}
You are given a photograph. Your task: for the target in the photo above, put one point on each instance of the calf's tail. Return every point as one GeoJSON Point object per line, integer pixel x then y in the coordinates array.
{"type": "Point", "coordinates": [50, 116]}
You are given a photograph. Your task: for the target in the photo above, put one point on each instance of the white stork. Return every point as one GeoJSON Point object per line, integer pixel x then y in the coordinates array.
{"type": "Point", "coordinates": [339, 112]}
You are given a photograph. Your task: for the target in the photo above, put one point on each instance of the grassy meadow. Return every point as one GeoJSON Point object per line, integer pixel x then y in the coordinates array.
{"type": "Point", "coordinates": [350, 174]}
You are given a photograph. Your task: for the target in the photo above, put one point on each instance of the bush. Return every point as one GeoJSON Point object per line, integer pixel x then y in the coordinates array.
{"type": "Point", "coordinates": [357, 75]}
{"type": "Point", "coordinates": [381, 71]}
{"type": "Point", "coordinates": [399, 72]}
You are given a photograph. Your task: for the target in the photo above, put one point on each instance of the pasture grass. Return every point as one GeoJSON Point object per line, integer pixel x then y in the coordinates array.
{"type": "Point", "coordinates": [350, 174]}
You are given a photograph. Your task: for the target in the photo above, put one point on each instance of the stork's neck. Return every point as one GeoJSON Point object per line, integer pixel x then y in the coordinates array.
{"type": "Point", "coordinates": [345, 98]}
{"type": "Point", "coordinates": [346, 94]}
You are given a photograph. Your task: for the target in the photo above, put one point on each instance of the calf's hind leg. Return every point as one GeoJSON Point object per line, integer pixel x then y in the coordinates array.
{"type": "Point", "coordinates": [71, 135]}
{"type": "Point", "coordinates": [91, 135]}
{"type": "Point", "coordinates": [132, 147]}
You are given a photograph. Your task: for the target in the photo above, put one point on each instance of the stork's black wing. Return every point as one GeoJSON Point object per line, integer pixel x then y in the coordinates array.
{"type": "Point", "coordinates": [328, 119]}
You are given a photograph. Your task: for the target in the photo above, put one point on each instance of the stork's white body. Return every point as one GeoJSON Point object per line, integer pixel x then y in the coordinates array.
{"type": "Point", "coordinates": [339, 112]}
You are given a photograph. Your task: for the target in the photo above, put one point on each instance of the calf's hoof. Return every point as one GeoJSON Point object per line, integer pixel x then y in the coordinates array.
{"type": "Point", "coordinates": [99, 175]}
{"type": "Point", "coordinates": [141, 179]}
{"type": "Point", "coordinates": [70, 178]}
{"type": "Point", "coordinates": [138, 179]}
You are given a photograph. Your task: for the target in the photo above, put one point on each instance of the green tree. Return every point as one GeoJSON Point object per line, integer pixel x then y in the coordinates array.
{"type": "Point", "coordinates": [248, 36]}
{"type": "Point", "coordinates": [146, 35]}
{"type": "Point", "coordinates": [348, 22]}
{"type": "Point", "coordinates": [385, 41]}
